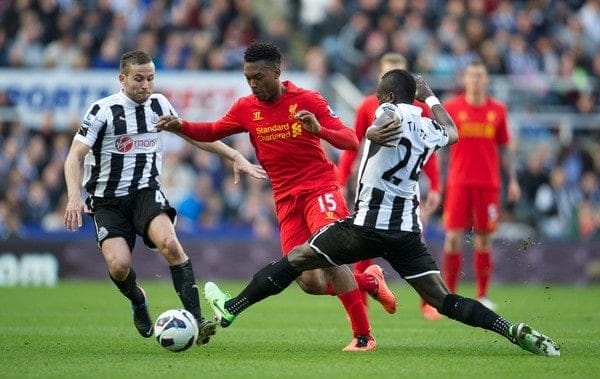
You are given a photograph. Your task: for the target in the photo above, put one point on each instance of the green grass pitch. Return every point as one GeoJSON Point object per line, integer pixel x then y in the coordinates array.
{"type": "Point", "coordinates": [84, 330]}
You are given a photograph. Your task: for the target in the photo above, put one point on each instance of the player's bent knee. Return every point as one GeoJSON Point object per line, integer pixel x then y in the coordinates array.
{"type": "Point", "coordinates": [310, 287]}
{"type": "Point", "coordinates": [303, 258]}
{"type": "Point", "coordinates": [118, 269]}
{"type": "Point", "coordinates": [313, 282]}
{"type": "Point", "coordinates": [171, 249]}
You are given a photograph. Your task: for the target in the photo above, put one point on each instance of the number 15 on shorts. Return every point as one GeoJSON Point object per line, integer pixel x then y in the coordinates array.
{"type": "Point", "coordinates": [327, 202]}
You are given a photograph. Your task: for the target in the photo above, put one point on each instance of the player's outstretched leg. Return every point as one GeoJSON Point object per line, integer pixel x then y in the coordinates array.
{"type": "Point", "coordinates": [216, 299]}
{"type": "Point", "coordinates": [472, 312]}
{"type": "Point", "coordinates": [534, 341]}
{"type": "Point", "coordinates": [141, 317]}
{"type": "Point", "coordinates": [382, 293]}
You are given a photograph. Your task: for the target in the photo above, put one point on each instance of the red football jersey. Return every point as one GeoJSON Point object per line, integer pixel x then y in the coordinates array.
{"type": "Point", "coordinates": [365, 114]}
{"type": "Point", "coordinates": [293, 158]}
{"type": "Point", "coordinates": [474, 159]}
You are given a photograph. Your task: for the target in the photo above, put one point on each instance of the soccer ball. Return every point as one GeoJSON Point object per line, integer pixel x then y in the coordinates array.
{"type": "Point", "coordinates": [176, 330]}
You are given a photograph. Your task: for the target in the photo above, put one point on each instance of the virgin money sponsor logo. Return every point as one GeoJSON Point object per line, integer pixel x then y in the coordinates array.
{"type": "Point", "coordinates": [126, 144]}
{"type": "Point", "coordinates": [123, 144]}
{"type": "Point", "coordinates": [145, 143]}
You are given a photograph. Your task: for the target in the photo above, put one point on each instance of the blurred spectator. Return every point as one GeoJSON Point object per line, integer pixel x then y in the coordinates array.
{"type": "Point", "coordinates": [556, 204]}
{"type": "Point", "coordinates": [27, 48]}
{"type": "Point", "coordinates": [589, 15]}
{"type": "Point", "coordinates": [177, 177]}
{"type": "Point", "coordinates": [37, 204]}
{"type": "Point", "coordinates": [558, 39]}
{"type": "Point", "coordinates": [33, 159]}
{"type": "Point", "coordinates": [4, 47]}
{"type": "Point", "coordinates": [589, 208]}
{"type": "Point", "coordinates": [416, 31]}
{"type": "Point", "coordinates": [10, 222]}
{"type": "Point", "coordinates": [519, 59]}
{"type": "Point", "coordinates": [174, 53]}
{"type": "Point", "coordinates": [548, 56]}
{"type": "Point", "coordinates": [492, 57]}
{"type": "Point", "coordinates": [48, 11]}
{"type": "Point", "coordinates": [110, 53]}
{"type": "Point", "coordinates": [347, 54]}
{"type": "Point", "coordinates": [531, 178]}
{"type": "Point", "coordinates": [61, 53]}
{"type": "Point", "coordinates": [448, 31]}
{"type": "Point", "coordinates": [575, 161]}
{"type": "Point", "coordinates": [313, 15]}
{"type": "Point", "coordinates": [54, 221]}
{"type": "Point", "coordinates": [195, 202]}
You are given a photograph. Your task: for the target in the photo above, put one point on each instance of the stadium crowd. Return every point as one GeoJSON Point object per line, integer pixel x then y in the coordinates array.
{"type": "Point", "coordinates": [524, 40]}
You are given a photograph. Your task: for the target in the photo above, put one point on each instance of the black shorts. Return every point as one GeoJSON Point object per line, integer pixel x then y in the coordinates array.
{"type": "Point", "coordinates": [129, 215]}
{"type": "Point", "coordinates": [343, 242]}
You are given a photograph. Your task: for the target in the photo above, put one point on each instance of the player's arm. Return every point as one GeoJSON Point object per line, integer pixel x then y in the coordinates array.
{"type": "Point", "coordinates": [362, 120]}
{"type": "Point", "coordinates": [196, 130]}
{"type": "Point", "coordinates": [440, 115]}
{"type": "Point", "coordinates": [434, 196]}
{"type": "Point", "coordinates": [199, 133]}
{"type": "Point", "coordinates": [73, 178]}
{"type": "Point", "coordinates": [240, 163]}
{"type": "Point", "coordinates": [341, 137]}
{"type": "Point", "coordinates": [432, 171]}
{"type": "Point", "coordinates": [387, 127]}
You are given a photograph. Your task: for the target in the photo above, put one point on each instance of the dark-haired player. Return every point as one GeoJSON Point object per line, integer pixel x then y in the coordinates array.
{"type": "Point", "coordinates": [386, 223]}
{"type": "Point", "coordinates": [117, 155]}
{"type": "Point", "coordinates": [286, 124]}
{"type": "Point", "coordinates": [363, 119]}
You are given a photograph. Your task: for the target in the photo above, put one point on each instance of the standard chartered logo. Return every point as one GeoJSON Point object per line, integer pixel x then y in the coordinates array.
{"type": "Point", "coordinates": [28, 270]}
{"type": "Point", "coordinates": [296, 129]}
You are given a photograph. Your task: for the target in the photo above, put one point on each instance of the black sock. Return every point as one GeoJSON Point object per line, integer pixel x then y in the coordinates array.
{"type": "Point", "coordinates": [129, 288]}
{"type": "Point", "coordinates": [184, 282]}
{"type": "Point", "coordinates": [472, 312]}
{"type": "Point", "coordinates": [270, 280]}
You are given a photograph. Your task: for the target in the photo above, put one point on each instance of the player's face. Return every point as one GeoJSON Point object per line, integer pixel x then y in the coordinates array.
{"type": "Point", "coordinates": [263, 80]}
{"type": "Point", "coordinates": [475, 79]}
{"type": "Point", "coordinates": [138, 81]}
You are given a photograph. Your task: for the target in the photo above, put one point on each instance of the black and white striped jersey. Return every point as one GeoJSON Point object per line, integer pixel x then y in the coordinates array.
{"type": "Point", "coordinates": [126, 150]}
{"type": "Point", "coordinates": [387, 195]}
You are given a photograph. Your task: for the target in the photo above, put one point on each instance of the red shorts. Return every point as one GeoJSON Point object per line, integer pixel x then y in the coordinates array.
{"type": "Point", "coordinates": [300, 215]}
{"type": "Point", "coordinates": [467, 207]}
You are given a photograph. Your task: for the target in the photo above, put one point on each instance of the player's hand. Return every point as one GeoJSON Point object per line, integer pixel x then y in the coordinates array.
{"type": "Point", "coordinates": [73, 219]}
{"type": "Point", "coordinates": [308, 121]}
{"type": "Point", "coordinates": [513, 192]}
{"type": "Point", "coordinates": [241, 164]}
{"type": "Point", "coordinates": [169, 123]}
{"type": "Point", "coordinates": [432, 202]}
{"type": "Point", "coordinates": [386, 129]}
{"type": "Point", "coordinates": [423, 90]}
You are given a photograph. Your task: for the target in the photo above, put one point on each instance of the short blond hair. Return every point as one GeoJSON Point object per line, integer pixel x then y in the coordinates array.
{"type": "Point", "coordinates": [394, 59]}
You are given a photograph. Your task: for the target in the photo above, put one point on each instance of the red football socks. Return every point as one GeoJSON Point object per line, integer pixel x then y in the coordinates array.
{"type": "Point", "coordinates": [452, 264]}
{"type": "Point", "coordinates": [483, 266]}
{"type": "Point", "coordinates": [357, 312]}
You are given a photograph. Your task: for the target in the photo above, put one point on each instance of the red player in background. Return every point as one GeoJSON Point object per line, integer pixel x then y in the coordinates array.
{"type": "Point", "coordinates": [472, 197]}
